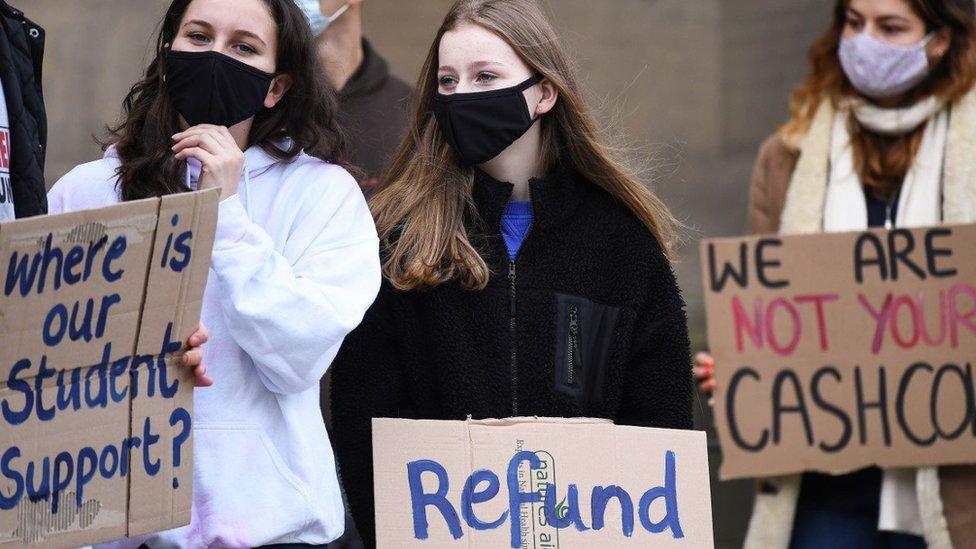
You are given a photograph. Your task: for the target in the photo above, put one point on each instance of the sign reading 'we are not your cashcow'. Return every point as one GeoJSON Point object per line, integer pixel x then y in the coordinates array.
{"type": "Point", "coordinates": [838, 351]}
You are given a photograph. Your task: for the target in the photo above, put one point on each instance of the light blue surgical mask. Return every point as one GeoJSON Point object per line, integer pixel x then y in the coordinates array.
{"type": "Point", "coordinates": [316, 20]}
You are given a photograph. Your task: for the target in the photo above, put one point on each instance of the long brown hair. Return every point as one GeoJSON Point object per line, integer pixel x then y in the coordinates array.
{"type": "Point", "coordinates": [306, 114]}
{"type": "Point", "coordinates": [882, 161]}
{"type": "Point", "coordinates": [420, 212]}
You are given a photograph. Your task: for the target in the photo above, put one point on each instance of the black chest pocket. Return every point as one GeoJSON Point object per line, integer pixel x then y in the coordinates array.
{"type": "Point", "coordinates": [584, 333]}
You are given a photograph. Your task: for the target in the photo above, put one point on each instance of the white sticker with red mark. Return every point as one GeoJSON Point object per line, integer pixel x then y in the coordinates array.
{"type": "Point", "coordinates": [6, 191]}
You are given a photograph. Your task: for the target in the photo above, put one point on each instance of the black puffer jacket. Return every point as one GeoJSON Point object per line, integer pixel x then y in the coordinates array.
{"type": "Point", "coordinates": [21, 56]}
{"type": "Point", "coordinates": [587, 322]}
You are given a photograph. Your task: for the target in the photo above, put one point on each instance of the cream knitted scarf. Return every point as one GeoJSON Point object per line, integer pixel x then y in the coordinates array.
{"type": "Point", "coordinates": [807, 193]}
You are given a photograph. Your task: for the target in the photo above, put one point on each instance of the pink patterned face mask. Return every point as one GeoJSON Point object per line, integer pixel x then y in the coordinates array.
{"type": "Point", "coordinates": [880, 70]}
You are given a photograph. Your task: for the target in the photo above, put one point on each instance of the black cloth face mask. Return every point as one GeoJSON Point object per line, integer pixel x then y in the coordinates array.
{"type": "Point", "coordinates": [480, 125]}
{"type": "Point", "coordinates": [208, 87]}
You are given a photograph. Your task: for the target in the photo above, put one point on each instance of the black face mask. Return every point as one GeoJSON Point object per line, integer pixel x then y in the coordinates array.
{"type": "Point", "coordinates": [208, 87]}
{"type": "Point", "coordinates": [479, 126]}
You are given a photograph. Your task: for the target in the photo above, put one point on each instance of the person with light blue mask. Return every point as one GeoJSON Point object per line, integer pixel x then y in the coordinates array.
{"type": "Point", "coordinates": [318, 20]}
{"type": "Point", "coordinates": [372, 102]}
{"type": "Point", "coordinates": [880, 135]}
{"type": "Point", "coordinates": [373, 107]}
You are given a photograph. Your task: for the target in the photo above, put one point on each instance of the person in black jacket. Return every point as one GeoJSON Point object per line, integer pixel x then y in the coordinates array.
{"type": "Point", "coordinates": [23, 122]}
{"type": "Point", "coordinates": [372, 102]}
{"type": "Point", "coordinates": [526, 272]}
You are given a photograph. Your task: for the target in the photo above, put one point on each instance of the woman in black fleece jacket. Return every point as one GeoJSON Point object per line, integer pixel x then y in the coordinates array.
{"type": "Point", "coordinates": [586, 319]}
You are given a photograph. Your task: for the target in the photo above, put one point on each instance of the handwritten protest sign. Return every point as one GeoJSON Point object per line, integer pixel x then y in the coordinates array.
{"type": "Point", "coordinates": [838, 351]}
{"type": "Point", "coordinates": [539, 484]}
{"type": "Point", "coordinates": [95, 413]}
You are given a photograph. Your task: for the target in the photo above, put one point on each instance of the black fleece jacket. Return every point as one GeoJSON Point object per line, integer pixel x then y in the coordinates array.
{"type": "Point", "coordinates": [588, 321]}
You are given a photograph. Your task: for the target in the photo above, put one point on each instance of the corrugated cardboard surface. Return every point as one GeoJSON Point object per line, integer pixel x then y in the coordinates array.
{"type": "Point", "coordinates": [88, 401]}
{"type": "Point", "coordinates": [584, 452]}
{"type": "Point", "coordinates": [818, 375]}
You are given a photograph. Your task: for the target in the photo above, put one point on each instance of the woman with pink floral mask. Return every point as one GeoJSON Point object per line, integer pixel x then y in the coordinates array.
{"type": "Point", "coordinates": [881, 134]}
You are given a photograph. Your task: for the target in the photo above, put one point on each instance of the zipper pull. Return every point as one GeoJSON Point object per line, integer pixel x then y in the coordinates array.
{"type": "Point", "coordinates": [573, 352]}
{"type": "Point", "coordinates": [511, 287]}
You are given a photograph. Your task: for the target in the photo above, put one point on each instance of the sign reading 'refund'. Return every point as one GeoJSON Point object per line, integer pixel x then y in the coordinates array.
{"type": "Point", "coordinates": [539, 483]}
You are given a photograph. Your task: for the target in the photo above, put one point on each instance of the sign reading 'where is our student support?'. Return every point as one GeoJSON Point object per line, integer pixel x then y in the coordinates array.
{"type": "Point", "coordinates": [95, 411]}
{"type": "Point", "coordinates": [835, 352]}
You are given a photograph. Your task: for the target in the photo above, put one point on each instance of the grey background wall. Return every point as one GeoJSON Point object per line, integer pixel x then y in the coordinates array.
{"type": "Point", "coordinates": [692, 86]}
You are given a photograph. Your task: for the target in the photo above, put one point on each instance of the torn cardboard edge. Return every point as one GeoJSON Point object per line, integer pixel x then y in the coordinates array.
{"type": "Point", "coordinates": [533, 420]}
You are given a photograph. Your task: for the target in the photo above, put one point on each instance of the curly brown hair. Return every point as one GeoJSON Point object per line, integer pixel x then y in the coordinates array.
{"type": "Point", "coordinates": [882, 161]}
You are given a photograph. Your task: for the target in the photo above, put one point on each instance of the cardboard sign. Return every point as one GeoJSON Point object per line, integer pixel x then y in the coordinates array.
{"type": "Point", "coordinates": [539, 484]}
{"type": "Point", "coordinates": [95, 412]}
{"type": "Point", "coordinates": [835, 352]}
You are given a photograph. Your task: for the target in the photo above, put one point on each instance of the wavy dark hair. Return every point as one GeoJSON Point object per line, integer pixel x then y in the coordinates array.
{"type": "Point", "coordinates": [306, 114]}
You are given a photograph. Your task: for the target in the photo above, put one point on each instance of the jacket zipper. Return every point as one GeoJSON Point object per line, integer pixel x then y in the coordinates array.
{"type": "Point", "coordinates": [573, 352]}
{"type": "Point", "coordinates": [512, 335]}
{"type": "Point", "coordinates": [888, 215]}
{"type": "Point", "coordinates": [890, 211]}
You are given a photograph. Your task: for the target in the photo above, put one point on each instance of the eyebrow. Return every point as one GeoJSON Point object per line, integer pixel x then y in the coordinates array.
{"type": "Point", "coordinates": [893, 19]}
{"type": "Point", "coordinates": [475, 65]}
{"type": "Point", "coordinates": [240, 32]}
{"type": "Point", "coordinates": [883, 18]}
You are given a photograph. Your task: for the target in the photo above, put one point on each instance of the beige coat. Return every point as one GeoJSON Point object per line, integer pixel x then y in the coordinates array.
{"type": "Point", "coordinates": [949, 499]}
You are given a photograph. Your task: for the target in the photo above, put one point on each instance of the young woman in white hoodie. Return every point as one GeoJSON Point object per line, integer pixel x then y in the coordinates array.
{"type": "Point", "coordinates": [234, 100]}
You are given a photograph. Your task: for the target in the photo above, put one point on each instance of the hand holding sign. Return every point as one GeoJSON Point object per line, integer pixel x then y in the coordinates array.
{"type": "Point", "coordinates": [193, 358]}
{"type": "Point", "coordinates": [704, 372]}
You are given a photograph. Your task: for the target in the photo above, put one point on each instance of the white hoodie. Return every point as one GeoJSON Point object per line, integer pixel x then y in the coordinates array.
{"type": "Point", "coordinates": [295, 266]}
